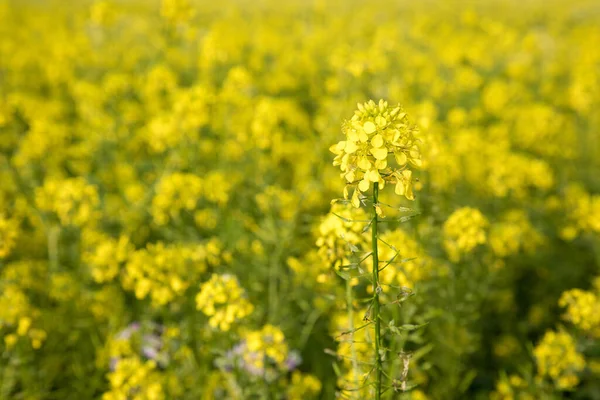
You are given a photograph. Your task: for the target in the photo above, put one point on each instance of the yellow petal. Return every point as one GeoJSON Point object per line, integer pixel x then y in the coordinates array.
{"type": "Point", "coordinates": [369, 127]}
{"type": "Point", "coordinates": [380, 121]}
{"type": "Point", "coordinates": [364, 163]}
{"type": "Point", "coordinates": [352, 135]}
{"type": "Point", "coordinates": [338, 147]}
{"type": "Point", "coordinates": [350, 176]}
{"type": "Point", "coordinates": [337, 160]}
{"type": "Point", "coordinates": [381, 164]}
{"type": "Point", "coordinates": [355, 200]}
{"type": "Point", "coordinates": [344, 163]}
{"type": "Point", "coordinates": [380, 153]}
{"type": "Point", "coordinates": [372, 175]}
{"type": "Point", "coordinates": [414, 152]}
{"type": "Point", "coordinates": [401, 158]}
{"type": "Point", "coordinates": [416, 162]}
{"type": "Point", "coordinates": [377, 141]}
{"type": "Point", "coordinates": [400, 189]}
{"type": "Point", "coordinates": [362, 136]}
{"type": "Point", "coordinates": [363, 185]}
{"type": "Point", "coordinates": [409, 192]}
{"type": "Point", "coordinates": [351, 147]}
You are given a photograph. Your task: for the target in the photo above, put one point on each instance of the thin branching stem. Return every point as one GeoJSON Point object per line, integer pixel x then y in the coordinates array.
{"type": "Point", "coordinates": [376, 318]}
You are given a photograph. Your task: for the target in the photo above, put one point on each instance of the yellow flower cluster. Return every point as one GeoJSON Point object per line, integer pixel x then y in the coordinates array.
{"type": "Point", "coordinates": [464, 230]}
{"type": "Point", "coordinates": [101, 13]}
{"type": "Point", "coordinates": [164, 272]}
{"type": "Point", "coordinates": [340, 234]}
{"type": "Point", "coordinates": [134, 379]}
{"type": "Point", "coordinates": [18, 315]}
{"type": "Point", "coordinates": [582, 310]}
{"type": "Point", "coordinates": [175, 193]}
{"type": "Point", "coordinates": [557, 358]}
{"type": "Point", "coordinates": [9, 231]}
{"type": "Point", "coordinates": [179, 124]}
{"type": "Point", "coordinates": [583, 212]}
{"type": "Point", "coordinates": [278, 201]}
{"type": "Point", "coordinates": [512, 234]}
{"type": "Point", "coordinates": [105, 255]}
{"type": "Point", "coordinates": [271, 121]}
{"type": "Point", "coordinates": [176, 11]}
{"type": "Point", "coordinates": [303, 386]}
{"type": "Point", "coordinates": [73, 201]}
{"type": "Point", "coordinates": [179, 192]}
{"type": "Point", "coordinates": [223, 300]}
{"type": "Point", "coordinates": [506, 346]}
{"type": "Point", "coordinates": [265, 344]}
{"type": "Point", "coordinates": [511, 387]}
{"type": "Point", "coordinates": [372, 134]}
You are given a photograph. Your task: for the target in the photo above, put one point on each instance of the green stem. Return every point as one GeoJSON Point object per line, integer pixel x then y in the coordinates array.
{"type": "Point", "coordinates": [351, 328]}
{"type": "Point", "coordinates": [376, 319]}
{"type": "Point", "coordinates": [53, 247]}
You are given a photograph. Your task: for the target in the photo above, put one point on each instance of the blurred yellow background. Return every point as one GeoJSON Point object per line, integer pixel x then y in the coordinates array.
{"type": "Point", "coordinates": [166, 226]}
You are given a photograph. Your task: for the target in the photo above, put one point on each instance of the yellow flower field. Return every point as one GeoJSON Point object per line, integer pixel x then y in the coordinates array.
{"type": "Point", "coordinates": [292, 200]}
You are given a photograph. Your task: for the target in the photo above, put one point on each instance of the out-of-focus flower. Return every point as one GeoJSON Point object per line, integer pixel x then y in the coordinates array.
{"type": "Point", "coordinates": [223, 300]}
{"type": "Point", "coordinates": [557, 358]}
{"type": "Point", "coordinates": [464, 230]}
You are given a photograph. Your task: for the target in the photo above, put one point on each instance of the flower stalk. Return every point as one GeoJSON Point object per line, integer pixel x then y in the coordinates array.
{"type": "Point", "coordinates": [376, 319]}
{"type": "Point", "coordinates": [380, 148]}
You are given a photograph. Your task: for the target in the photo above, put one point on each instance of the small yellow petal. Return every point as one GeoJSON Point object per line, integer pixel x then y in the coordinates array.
{"type": "Point", "coordinates": [409, 192]}
{"type": "Point", "coordinates": [377, 141]}
{"type": "Point", "coordinates": [350, 176]}
{"type": "Point", "coordinates": [400, 189]}
{"type": "Point", "coordinates": [369, 127]}
{"type": "Point", "coordinates": [401, 158]}
{"type": "Point", "coordinates": [380, 153]}
{"type": "Point", "coordinates": [416, 162]}
{"type": "Point", "coordinates": [355, 200]}
{"type": "Point", "coordinates": [373, 175]}
{"type": "Point", "coordinates": [364, 163]}
{"type": "Point", "coordinates": [380, 164]}
{"type": "Point", "coordinates": [344, 162]}
{"type": "Point", "coordinates": [337, 148]}
{"type": "Point", "coordinates": [351, 147]}
{"type": "Point", "coordinates": [363, 185]}
{"type": "Point", "coordinates": [414, 152]}
{"type": "Point", "coordinates": [380, 121]}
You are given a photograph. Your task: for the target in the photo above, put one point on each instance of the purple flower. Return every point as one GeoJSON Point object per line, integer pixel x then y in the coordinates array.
{"type": "Point", "coordinates": [150, 352]}
{"type": "Point", "coordinates": [293, 360]}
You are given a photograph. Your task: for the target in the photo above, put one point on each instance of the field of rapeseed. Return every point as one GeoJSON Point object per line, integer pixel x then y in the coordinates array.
{"type": "Point", "coordinates": [208, 200]}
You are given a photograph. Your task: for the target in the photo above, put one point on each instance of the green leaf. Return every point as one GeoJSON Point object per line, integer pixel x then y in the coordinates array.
{"type": "Point", "coordinates": [342, 274]}
{"type": "Point", "coordinates": [411, 327]}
